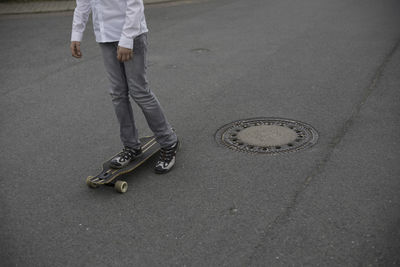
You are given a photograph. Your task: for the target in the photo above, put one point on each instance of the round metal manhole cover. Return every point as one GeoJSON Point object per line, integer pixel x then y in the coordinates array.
{"type": "Point", "coordinates": [267, 135]}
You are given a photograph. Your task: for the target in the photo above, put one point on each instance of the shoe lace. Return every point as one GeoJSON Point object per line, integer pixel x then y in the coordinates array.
{"type": "Point", "coordinates": [125, 153]}
{"type": "Point", "coordinates": [166, 154]}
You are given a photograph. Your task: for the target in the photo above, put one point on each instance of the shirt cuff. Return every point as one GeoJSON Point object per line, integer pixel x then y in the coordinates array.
{"type": "Point", "coordinates": [76, 36]}
{"type": "Point", "coordinates": [126, 42]}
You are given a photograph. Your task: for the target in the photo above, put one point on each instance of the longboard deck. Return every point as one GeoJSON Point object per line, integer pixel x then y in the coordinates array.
{"type": "Point", "coordinates": [108, 175]}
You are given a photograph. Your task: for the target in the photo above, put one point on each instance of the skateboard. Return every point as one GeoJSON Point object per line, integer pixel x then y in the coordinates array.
{"type": "Point", "coordinates": [111, 176]}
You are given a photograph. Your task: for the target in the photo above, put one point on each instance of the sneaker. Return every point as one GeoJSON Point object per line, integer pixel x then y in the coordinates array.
{"type": "Point", "coordinates": [167, 158]}
{"type": "Point", "coordinates": [124, 157]}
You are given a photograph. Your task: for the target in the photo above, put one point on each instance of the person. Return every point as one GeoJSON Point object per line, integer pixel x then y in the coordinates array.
{"type": "Point", "coordinates": [121, 31]}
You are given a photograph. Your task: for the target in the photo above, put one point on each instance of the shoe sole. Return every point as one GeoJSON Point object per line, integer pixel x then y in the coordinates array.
{"type": "Point", "coordinates": [163, 172]}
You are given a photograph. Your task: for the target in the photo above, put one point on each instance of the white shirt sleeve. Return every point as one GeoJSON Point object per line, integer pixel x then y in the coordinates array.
{"type": "Point", "coordinates": [81, 16]}
{"type": "Point", "coordinates": [131, 29]}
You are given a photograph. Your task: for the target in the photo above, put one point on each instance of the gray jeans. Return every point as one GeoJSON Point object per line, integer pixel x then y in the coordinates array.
{"type": "Point", "coordinates": [129, 79]}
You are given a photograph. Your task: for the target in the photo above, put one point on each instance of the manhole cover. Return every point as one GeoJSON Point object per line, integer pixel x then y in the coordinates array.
{"type": "Point", "coordinates": [267, 135]}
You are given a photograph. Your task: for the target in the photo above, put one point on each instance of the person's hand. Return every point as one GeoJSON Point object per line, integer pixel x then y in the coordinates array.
{"type": "Point", "coordinates": [124, 54]}
{"type": "Point", "coordinates": [76, 49]}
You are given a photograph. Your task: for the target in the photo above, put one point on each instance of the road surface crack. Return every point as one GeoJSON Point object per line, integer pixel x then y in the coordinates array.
{"type": "Point", "coordinates": [318, 169]}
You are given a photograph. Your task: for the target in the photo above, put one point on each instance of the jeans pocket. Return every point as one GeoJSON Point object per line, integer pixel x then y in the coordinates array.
{"type": "Point", "coordinates": [140, 42]}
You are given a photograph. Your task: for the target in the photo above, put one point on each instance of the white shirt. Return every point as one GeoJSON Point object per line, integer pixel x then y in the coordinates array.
{"type": "Point", "coordinates": [113, 20]}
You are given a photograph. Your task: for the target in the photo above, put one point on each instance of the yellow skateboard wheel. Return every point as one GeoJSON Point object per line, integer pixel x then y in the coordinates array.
{"type": "Point", "coordinates": [90, 183]}
{"type": "Point", "coordinates": [121, 186]}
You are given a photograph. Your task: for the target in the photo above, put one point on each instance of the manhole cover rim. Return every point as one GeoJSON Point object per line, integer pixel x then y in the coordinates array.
{"type": "Point", "coordinates": [309, 135]}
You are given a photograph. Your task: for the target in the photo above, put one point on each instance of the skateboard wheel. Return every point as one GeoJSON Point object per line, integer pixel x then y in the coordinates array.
{"type": "Point", "coordinates": [90, 183]}
{"type": "Point", "coordinates": [121, 186]}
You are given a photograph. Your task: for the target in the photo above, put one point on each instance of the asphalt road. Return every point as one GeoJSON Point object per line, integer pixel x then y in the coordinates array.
{"type": "Point", "coordinates": [332, 64]}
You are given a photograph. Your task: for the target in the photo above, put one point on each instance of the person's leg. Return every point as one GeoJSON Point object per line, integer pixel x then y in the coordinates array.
{"type": "Point", "coordinates": [120, 95]}
{"type": "Point", "coordinates": [135, 72]}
